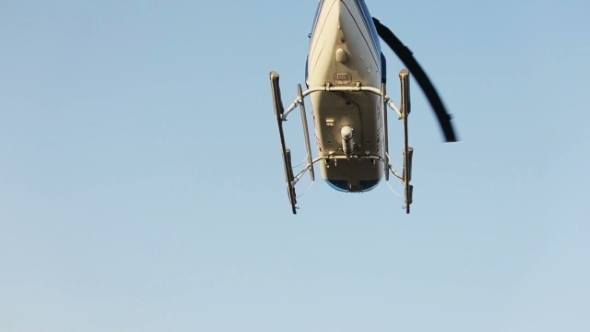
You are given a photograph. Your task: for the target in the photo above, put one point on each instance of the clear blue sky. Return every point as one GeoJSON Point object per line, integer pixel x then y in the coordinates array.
{"type": "Point", "coordinates": [141, 183]}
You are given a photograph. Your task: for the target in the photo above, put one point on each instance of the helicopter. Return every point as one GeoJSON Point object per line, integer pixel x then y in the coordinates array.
{"type": "Point", "coordinates": [346, 79]}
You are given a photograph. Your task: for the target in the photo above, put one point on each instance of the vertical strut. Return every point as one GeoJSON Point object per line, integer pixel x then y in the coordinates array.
{"type": "Point", "coordinates": [385, 131]}
{"type": "Point", "coordinates": [306, 132]}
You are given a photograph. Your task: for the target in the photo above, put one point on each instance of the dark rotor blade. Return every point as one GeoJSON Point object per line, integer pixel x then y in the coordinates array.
{"type": "Point", "coordinates": [405, 55]}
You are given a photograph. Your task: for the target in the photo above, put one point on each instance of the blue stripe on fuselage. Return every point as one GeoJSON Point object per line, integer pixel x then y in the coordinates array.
{"type": "Point", "coordinates": [368, 20]}
{"type": "Point", "coordinates": [315, 20]}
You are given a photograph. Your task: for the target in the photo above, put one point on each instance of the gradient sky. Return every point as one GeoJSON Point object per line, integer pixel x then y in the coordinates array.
{"type": "Point", "coordinates": [141, 182]}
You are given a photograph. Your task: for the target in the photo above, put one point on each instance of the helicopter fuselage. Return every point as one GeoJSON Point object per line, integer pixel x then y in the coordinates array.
{"type": "Point", "coordinates": [344, 51]}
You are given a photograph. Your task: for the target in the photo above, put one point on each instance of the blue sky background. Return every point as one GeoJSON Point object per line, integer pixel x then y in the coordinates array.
{"type": "Point", "coordinates": [141, 183]}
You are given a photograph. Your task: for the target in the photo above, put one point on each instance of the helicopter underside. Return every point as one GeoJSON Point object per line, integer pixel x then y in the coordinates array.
{"type": "Point", "coordinates": [346, 82]}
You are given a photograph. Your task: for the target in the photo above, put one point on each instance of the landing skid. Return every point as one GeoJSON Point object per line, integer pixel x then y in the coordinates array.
{"type": "Point", "coordinates": [402, 112]}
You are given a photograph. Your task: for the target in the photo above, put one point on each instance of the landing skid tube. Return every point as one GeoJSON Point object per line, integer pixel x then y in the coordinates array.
{"type": "Point", "coordinates": [280, 111]}
{"type": "Point", "coordinates": [404, 77]}
{"type": "Point", "coordinates": [402, 112]}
